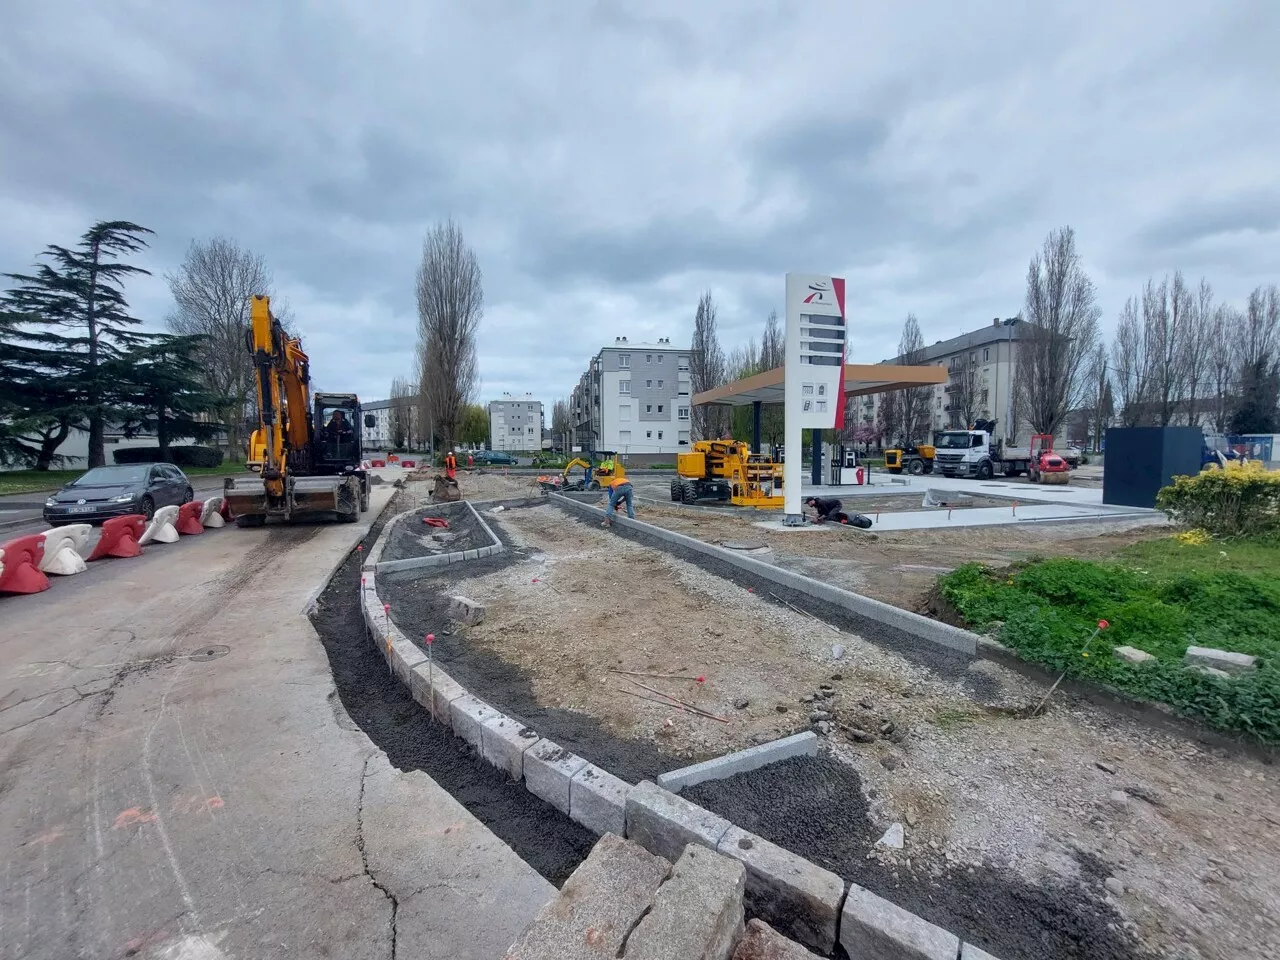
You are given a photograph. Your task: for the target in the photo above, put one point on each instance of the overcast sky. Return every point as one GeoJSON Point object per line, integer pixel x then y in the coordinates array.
{"type": "Point", "coordinates": [608, 160]}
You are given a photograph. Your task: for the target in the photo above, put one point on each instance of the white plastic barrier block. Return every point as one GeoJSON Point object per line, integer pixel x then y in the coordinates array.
{"type": "Point", "coordinates": [209, 515]}
{"type": "Point", "coordinates": [64, 548]}
{"type": "Point", "coordinates": [161, 529]}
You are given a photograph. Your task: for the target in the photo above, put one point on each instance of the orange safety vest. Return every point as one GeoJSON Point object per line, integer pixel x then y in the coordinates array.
{"type": "Point", "coordinates": [618, 481]}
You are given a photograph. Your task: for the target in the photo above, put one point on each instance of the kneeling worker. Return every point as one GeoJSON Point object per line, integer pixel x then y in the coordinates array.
{"type": "Point", "coordinates": [827, 508]}
{"type": "Point", "coordinates": [620, 491]}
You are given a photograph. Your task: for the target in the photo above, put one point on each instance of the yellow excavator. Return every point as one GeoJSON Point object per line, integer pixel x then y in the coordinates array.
{"type": "Point", "coordinates": [307, 459]}
{"type": "Point", "coordinates": [594, 475]}
{"type": "Point", "coordinates": [727, 470]}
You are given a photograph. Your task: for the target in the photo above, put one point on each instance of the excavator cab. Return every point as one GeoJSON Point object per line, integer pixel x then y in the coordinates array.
{"type": "Point", "coordinates": [335, 444]}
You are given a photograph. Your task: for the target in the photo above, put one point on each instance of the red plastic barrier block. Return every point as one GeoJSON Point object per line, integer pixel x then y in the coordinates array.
{"type": "Point", "coordinates": [225, 510]}
{"type": "Point", "coordinates": [120, 537]}
{"type": "Point", "coordinates": [379, 463]}
{"type": "Point", "coordinates": [189, 518]}
{"type": "Point", "coordinates": [407, 464]}
{"type": "Point", "coordinates": [21, 573]}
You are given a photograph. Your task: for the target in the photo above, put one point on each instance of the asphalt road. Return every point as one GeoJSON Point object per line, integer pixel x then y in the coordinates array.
{"type": "Point", "coordinates": [178, 778]}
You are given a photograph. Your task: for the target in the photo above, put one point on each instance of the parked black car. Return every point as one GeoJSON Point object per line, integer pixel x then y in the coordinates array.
{"type": "Point", "coordinates": [496, 458]}
{"type": "Point", "coordinates": [106, 492]}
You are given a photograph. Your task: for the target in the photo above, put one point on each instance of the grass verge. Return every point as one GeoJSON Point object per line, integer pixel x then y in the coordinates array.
{"type": "Point", "coordinates": [1160, 596]}
{"type": "Point", "coordinates": [39, 481]}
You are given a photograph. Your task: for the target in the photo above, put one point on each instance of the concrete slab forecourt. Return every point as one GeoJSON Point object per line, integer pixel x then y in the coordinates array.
{"type": "Point", "coordinates": [803, 901]}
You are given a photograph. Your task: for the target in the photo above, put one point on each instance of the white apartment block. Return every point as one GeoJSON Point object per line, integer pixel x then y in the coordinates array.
{"type": "Point", "coordinates": [634, 399]}
{"type": "Point", "coordinates": [994, 351]}
{"type": "Point", "coordinates": [515, 423]}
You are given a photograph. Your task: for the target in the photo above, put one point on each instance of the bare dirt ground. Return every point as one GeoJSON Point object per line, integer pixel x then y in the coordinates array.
{"type": "Point", "coordinates": [901, 567]}
{"type": "Point", "coordinates": [477, 486]}
{"type": "Point", "coordinates": [1186, 837]}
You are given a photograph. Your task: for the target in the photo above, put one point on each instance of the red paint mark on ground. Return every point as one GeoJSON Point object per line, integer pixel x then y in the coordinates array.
{"type": "Point", "coordinates": [127, 818]}
{"type": "Point", "coordinates": [214, 803]}
{"type": "Point", "coordinates": [48, 837]}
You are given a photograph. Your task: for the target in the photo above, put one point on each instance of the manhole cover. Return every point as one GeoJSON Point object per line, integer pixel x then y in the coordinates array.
{"type": "Point", "coordinates": [741, 545]}
{"type": "Point", "coordinates": [210, 653]}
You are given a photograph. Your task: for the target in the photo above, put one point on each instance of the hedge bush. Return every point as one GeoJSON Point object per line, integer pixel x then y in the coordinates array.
{"type": "Point", "coordinates": [1242, 499]}
{"type": "Point", "coordinates": [179, 456]}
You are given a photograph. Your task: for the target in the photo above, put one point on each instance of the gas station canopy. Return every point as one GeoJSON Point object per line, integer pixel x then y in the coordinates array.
{"type": "Point", "coordinates": [859, 379]}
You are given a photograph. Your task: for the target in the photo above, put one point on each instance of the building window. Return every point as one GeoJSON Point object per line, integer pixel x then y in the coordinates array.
{"type": "Point", "coordinates": [659, 358]}
{"type": "Point", "coordinates": [985, 394]}
{"type": "Point", "coordinates": [624, 387]}
{"type": "Point", "coordinates": [624, 437]}
{"type": "Point", "coordinates": [986, 354]}
{"type": "Point", "coordinates": [648, 384]}
{"type": "Point", "coordinates": [939, 403]}
{"type": "Point", "coordinates": [660, 408]}
{"type": "Point", "coordinates": [648, 408]}
{"type": "Point", "coordinates": [659, 384]}
{"type": "Point", "coordinates": [683, 392]}
{"type": "Point", "coordinates": [624, 413]}
{"type": "Point", "coordinates": [648, 358]}
{"type": "Point", "coordinates": [682, 413]}
{"type": "Point", "coordinates": [624, 361]}
{"type": "Point", "coordinates": [683, 364]}
{"type": "Point", "coordinates": [659, 434]}
{"type": "Point", "coordinates": [648, 434]}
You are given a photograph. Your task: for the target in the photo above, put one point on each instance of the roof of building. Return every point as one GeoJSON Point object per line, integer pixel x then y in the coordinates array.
{"type": "Point", "coordinates": [375, 404]}
{"type": "Point", "coordinates": [992, 333]}
{"type": "Point", "coordinates": [859, 378]}
{"type": "Point", "coordinates": [662, 344]}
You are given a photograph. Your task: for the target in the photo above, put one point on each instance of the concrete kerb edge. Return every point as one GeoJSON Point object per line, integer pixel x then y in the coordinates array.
{"type": "Point", "coordinates": [913, 624]}
{"type": "Point", "coordinates": [740, 761]}
{"type": "Point", "coordinates": [488, 715]}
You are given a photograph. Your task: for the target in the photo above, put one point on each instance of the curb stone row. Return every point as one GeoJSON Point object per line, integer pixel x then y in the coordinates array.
{"type": "Point", "coordinates": [801, 900]}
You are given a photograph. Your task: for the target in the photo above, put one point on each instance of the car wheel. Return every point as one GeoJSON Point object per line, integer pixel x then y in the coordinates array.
{"type": "Point", "coordinates": [148, 508]}
{"type": "Point", "coordinates": [189, 495]}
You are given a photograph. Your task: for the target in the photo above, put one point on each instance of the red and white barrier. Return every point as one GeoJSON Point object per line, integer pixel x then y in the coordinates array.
{"type": "Point", "coordinates": [120, 536]}
{"type": "Point", "coordinates": [409, 464]}
{"type": "Point", "coordinates": [161, 529]}
{"type": "Point", "coordinates": [379, 463]}
{"type": "Point", "coordinates": [20, 565]}
{"type": "Point", "coordinates": [188, 523]}
{"type": "Point", "coordinates": [211, 514]}
{"type": "Point", "coordinates": [64, 549]}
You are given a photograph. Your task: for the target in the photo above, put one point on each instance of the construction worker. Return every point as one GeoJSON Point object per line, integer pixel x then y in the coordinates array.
{"type": "Point", "coordinates": [619, 492]}
{"type": "Point", "coordinates": [827, 508]}
{"type": "Point", "coordinates": [451, 465]}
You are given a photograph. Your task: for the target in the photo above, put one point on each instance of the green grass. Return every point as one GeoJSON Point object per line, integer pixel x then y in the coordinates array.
{"type": "Point", "coordinates": [1159, 596]}
{"type": "Point", "coordinates": [39, 481]}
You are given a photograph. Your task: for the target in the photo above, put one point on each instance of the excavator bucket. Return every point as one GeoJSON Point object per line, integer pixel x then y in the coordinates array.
{"type": "Point", "coordinates": [247, 497]}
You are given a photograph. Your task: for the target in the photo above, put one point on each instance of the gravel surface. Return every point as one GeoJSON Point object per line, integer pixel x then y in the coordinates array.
{"type": "Point", "coordinates": [381, 706]}
{"type": "Point", "coordinates": [814, 806]}
{"type": "Point", "coordinates": [413, 538]}
{"type": "Point", "coordinates": [938, 741]}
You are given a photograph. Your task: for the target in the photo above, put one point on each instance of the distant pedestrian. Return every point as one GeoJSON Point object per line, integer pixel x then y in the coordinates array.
{"type": "Point", "coordinates": [620, 492]}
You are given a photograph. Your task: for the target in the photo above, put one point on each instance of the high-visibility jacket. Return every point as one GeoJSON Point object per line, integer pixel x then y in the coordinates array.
{"type": "Point", "coordinates": [618, 481]}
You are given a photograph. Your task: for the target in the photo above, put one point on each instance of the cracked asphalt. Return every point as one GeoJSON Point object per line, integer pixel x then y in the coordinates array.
{"type": "Point", "coordinates": [156, 805]}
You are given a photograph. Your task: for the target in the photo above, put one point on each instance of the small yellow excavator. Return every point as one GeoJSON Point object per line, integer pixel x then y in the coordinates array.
{"type": "Point", "coordinates": [594, 475]}
{"type": "Point", "coordinates": [727, 470]}
{"type": "Point", "coordinates": [307, 460]}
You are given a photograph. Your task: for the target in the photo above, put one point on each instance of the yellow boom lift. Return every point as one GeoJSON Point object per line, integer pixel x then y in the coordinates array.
{"type": "Point", "coordinates": [727, 470]}
{"type": "Point", "coordinates": [307, 459]}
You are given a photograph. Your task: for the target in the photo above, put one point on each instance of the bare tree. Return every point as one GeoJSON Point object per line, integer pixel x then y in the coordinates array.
{"type": "Point", "coordinates": [1197, 345]}
{"type": "Point", "coordinates": [561, 423]}
{"type": "Point", "coordinates": [1258, 354]}
{"type": "Point", "coordinates": [1223, 363]}
{"type": "Point", "coordinates": [966, 392]}
{"type": "Point", "coordinates": [773, 351]}
{"type": "Point", "coordinates": [707, 368]}
{"type": "Point", "coordinates": [1061, 331]}
{"type": "Point", "coordinates": [403, 414]}
{"type": "Point", "coordinates": [1100, 393]}
{"type": "Point", "coordinates": [1129, 363]}
{"type": "Point", "coordinates": [912, 413]}
{"type": "Point", "coordinates": [211, 290]}
{"type": "Point", "coordinates": [450, 305]}
{"type": "Point", "coordinates": [1166, 310]}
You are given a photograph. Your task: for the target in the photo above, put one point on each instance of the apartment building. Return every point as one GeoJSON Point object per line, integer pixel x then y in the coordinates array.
{"type": "Point", "coordinates": [516, 423]}
{"type": "Point", "coordinates": [634, 398]}
{"type": "Point", "coordinates": [993, 351]}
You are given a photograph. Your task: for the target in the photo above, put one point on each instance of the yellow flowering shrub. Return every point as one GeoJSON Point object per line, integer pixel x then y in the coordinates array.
{"type": "Point", "coordinates": [1242, 500]}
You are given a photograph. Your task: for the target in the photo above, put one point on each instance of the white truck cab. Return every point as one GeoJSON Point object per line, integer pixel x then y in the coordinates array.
{"type": "Point", "coordinates": [964, 453]}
